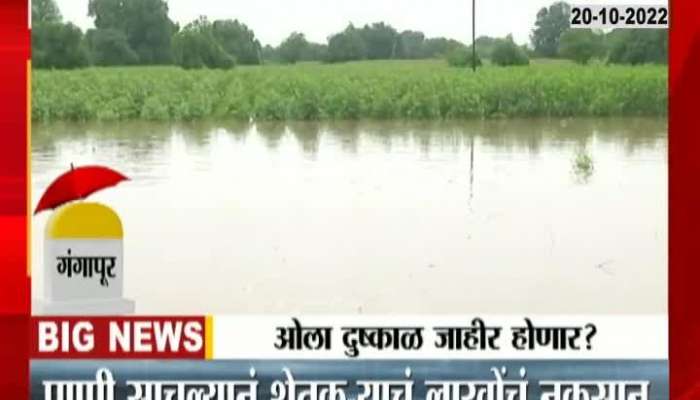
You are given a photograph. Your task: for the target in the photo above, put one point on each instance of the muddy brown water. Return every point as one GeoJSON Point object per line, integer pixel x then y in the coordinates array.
{"type": "Point", "coordinates": [506, 216]}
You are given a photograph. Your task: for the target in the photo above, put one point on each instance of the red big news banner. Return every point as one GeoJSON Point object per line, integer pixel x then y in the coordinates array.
{"type": "Point", "coordinates": [334, 200]}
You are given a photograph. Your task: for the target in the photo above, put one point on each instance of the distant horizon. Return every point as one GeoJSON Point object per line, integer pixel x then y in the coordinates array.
{"type": "Point", "coordinates": [274, 20]}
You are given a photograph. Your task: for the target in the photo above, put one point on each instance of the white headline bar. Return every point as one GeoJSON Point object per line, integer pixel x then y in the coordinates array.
{"type": "Point", "coordinates": [440, 337]}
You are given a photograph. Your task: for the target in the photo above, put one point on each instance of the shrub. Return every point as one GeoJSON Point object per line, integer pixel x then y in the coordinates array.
{"type": "Point", "coordinates": [237, 40]}
{"type": "Point", "coordinates": [346, 46]}
{"type": "Point", "coordinates": [196, 47]}
{"type": "Point", "coordinates": [580, 45]}
{"type": "Point", "coordinates": [58, 45]}
{"type": "Point", "coordinates": [638, 46]}
{"type": "Point", "coordinates": [506, 52]}
{"type": "Point", "coordinates": [462, 57]}
{"type": "Point", "coordinates": [110, 47]}
{"type": "Point", "coordinates": [292, 48]}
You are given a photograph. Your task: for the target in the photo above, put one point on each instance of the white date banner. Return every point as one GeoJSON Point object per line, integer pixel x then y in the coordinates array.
{"type": "Point", "coordinates": [599, 16]}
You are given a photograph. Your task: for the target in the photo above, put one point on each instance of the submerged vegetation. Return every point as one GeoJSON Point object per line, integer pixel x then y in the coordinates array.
{"type": "Point", "coordinates": [582, 166]}
{"type": "Point", "coordinates": [374, 90]}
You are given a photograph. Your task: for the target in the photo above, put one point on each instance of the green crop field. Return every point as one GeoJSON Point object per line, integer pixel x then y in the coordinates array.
{"type": "Point", "coordinates": [372, 90]}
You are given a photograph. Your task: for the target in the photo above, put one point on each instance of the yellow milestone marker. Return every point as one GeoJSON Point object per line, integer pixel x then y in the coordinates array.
{"type": "Point", "coordinates": [84, 221]}
{"type": "Point", "coordinates": [83, 262]}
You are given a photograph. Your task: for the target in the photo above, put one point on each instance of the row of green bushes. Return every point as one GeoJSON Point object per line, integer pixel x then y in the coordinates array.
{"type": "Point", "coordinates": [629, 46]}
{"type": "Point", "coordinates": [503, 53]}
{"type": "Point", "coordinates": [377, 90]}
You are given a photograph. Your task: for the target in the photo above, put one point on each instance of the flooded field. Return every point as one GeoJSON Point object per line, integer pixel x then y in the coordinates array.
{"type": "Point", "coordinates": [502, 216]}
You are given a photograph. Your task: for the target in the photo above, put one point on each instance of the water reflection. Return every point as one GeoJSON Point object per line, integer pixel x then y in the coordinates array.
{"type": "Point", "coordinates": [308, 135]}
{"type": "Point", "coordinates": [517, 135]}
{"type": "Point", "coordinates": [272, 132]}
{"type": "Point", "coordinates": [411, 217]}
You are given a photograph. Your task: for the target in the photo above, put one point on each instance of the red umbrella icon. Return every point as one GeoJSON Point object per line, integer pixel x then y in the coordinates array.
{"type": "Point", "coordinates": [78, 183]}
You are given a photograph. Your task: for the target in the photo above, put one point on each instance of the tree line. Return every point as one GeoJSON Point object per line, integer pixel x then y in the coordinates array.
{"type": "Point", "coordinates": [140, 32]}
{"type": "Point", "coordinates": [553, 37]}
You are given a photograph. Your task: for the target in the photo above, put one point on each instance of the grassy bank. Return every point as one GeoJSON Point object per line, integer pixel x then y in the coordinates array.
{"type": "Point", "coordinates": [376, 90]}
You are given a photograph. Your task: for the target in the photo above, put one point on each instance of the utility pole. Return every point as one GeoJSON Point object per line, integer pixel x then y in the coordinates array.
{"type": "Point", "coordinates": [474, 35]}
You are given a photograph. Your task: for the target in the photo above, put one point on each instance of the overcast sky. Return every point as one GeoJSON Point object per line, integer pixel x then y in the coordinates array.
{"type": "Point", "coordinates": [273, 20]}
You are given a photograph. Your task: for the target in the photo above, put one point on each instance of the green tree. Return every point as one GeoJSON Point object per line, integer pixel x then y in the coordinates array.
{"type": "Point", "coordinates": [346, 46]}
{"type": "Point", "coordinates": [506, 52]}
{"type": "Point", "coordinates": [110, 47]}
{"type": "Point", "coordinates": [580, 45]}
{"type": "Point", "coordinates": [145, 23]}
{"type": "Point", "coordinates": [410, 45]}
{"type": "Point", "coordinates": [196, 47]}
{"type": "Point", "coordinates": [439, 47]}
{"type": "Point", "coordinates": [45, 11]}
{"type": "Point", "coordinates": [292, 48]}
{"type": "Point", "coordinates": [551, 23]}
{"type": "Point", "coordinates": [638, 46]}
{"type": "Point", "coordinates": [380, 41]}
{"type": "Point", "coordinates": [269, 54]}
{"type": "Point", "coordinates": [238, 40]}
{"type": "Point", "coordinates": [58, 45]}
{"type": "Point", "coordinates": [315, 52]}
{"type": "Point", "coordinates": [485, 45]}
{"type": "Point", "coordinates": [462, 57]}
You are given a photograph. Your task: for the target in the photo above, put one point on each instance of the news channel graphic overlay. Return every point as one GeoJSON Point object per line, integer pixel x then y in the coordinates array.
{"type": "Point", "coordinates": [83, 246]}
{"type": "Point", "coordinates": [340, 358]}
{"type": "Point", "coordinates": [352, 337]}
{"type": "Point", "coordinates": [349, 380]}
{"type": "Point", "coordinates": [619, 16]}
{"type": "Point", "coordinates": [83, 262]}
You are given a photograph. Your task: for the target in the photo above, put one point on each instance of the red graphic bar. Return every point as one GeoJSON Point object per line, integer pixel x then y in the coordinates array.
{"type": "Point", "coordinates": [119, 337]}
{"type": "Point", "coordinates": [684, 217]}
{"type": "Point", "coordinates": [14, 277]}
{"type": "Point", "coordinates": [684, 200]}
